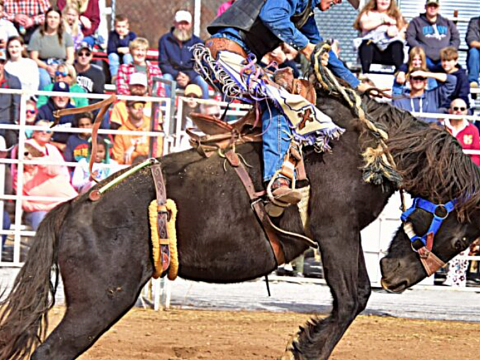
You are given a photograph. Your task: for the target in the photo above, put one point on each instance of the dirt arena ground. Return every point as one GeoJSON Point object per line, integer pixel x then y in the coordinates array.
{"type": "Point", "coordinates": [227, 335]}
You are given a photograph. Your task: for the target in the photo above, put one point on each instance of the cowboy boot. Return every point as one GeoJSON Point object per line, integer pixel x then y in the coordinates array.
{"type": "Point", "coordinates": [282, 192]}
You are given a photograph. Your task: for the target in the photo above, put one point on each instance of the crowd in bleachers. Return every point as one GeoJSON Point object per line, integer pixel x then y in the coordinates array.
{"type": "Point", "coordinates": [45, 47]}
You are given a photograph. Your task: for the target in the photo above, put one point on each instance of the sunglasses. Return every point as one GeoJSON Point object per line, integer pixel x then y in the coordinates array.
{"type": "Point", "coordinates": [418, 78]}
{"type": "Point", "coordinates": [31, 112]}
{"type": "Point", "coordinates": [58, 73]}
{"type": "Point", "coordinates": [44, 131]}
{"type": "Point", "coordinates": [459, 108]}
{"type": "Point", "coordinates": [86, 54]}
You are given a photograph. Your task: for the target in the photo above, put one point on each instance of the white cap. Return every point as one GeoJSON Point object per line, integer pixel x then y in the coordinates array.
{"type": "Point", "coordinates": [183, 15]}
{"type": "Point", "coordinates": [138, 78]}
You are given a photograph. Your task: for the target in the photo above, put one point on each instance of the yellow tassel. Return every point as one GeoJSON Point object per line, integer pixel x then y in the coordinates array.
{"type": "Point", "coordinates": [172, 233]}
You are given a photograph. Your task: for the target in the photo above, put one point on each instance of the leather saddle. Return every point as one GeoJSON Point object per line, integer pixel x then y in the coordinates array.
{"type": "Point", "coordinates": [220, 135]}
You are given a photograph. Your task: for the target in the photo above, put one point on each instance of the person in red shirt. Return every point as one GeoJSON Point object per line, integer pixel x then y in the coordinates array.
{"type": "Point", "coordinates": [464, 131]}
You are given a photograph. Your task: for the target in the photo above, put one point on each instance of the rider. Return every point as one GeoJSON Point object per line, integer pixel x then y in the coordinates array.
{"type": "Point", "coordinates": [257, 27]}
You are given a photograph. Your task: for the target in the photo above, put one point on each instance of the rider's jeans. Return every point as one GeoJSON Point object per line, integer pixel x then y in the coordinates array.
{"type": "Point", "coordinates": [276, 140]}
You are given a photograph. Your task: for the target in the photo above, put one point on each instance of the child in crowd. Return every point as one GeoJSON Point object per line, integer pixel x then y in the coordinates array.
{"type": "Point", "coordinates": [77, 144]}
{"type": "Point", "coordinates": [117, 48]}
{"type": "Point", "coordinates": [81, 176]}
{"type": "Point", "coordinates": [449, 58]}
{"type": "Point", "coordinates": [31, 116]}
{"type": "Point", "coordinates": [416, 59]}
{"type": "Point", "coordinates": [71, 21]}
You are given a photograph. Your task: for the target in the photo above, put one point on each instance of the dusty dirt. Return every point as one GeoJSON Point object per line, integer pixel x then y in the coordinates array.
{"type": "Point", "coordinates": [225, 335]}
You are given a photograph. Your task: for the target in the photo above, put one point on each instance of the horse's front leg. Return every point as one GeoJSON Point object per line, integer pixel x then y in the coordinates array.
{"type": "Point", "coordinates": [346, 275]}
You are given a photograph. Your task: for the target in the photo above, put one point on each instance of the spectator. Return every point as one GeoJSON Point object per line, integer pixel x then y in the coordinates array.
{"type": "Point", "coordinates": [81, 176]}
{"type": "Point", "coordinates": [473, 58]}
{"type": "Point", "coordinates": [222, 8]}
{"type": "Point", "coordinates": [9, 103]}
{"type": "Point", "coordinates": [89, 11]}
{"type": "Point", "coordinates": [416, 59]}
{"type": "Point", "coordinates": [138, 49]}
{"type": "Point", "coordinates": [127, 147]}
{"type": "Point", "coordinates": [21, 66]}
{"type": "Point", "coordinates": [175, 55]}
{"type": "Point", "coordinates": [43, 180]}
{"type": "Point", "coordinates": [71, 22]}
{"type": "Point", "coordinates": [382, 30]}
{"type": "Point", "coordinates": [464, 131]}
{"type": "Point", "coordinates": [432, 32]}
{"type": "Point", "coordinates": [118, 45]}
{"type": "Point", "coordinates": [192, 92]}
{"type": "Point", "coordinates": [138, 86]}
{"type": "Point", "coordinates": [89, 76]}
{"type": "Point", "coordinates": [449, 56]}
{"type": "Point", "coordinates": [426, 101]}
{"type": "Point", "coordinates": [31, 115]}
{"type": "Point", "coordinates": [7, 29]}
{"type": "Point", "coordinates": [27, 15]}
{"type": "Point", "coordinates": [77, 144]}
{"type": "Point", "coordinates": [65, 73]}
{"type": "Point", "coordinates": [211, 110]}
{"type": "Point", "coordinates": [58, 103]}
{"type": "Point", "coordinates": [50, 45]}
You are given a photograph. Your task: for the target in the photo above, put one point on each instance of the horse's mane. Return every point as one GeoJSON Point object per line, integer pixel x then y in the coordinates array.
{"type": "Point", "coordinates": [429, 159]}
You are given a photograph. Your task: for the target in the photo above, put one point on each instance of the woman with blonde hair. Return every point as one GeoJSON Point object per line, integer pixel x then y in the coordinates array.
{"type": "Point", "coordinates": [66, 73]}
{"type": "Point", "coordinates": [20, 65]}
{"type": "Point", "coordinates": [138, 49]}
{"type": "Point", "coordinates": [71, 22]}
{"type": "Point", "coordinates": [89, 15]}
{"type": "Point", "coordinates": [382, 30]}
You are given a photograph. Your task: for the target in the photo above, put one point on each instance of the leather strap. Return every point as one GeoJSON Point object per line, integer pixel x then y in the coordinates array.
{"type": "Point", "coordinates": [430, 261]}
{"type": "Point", "coordinates": [161, 199]}
{"type": "Point", "coordinates": [223, 44]}
{"type": "Point", "coordinates": [257, 206]}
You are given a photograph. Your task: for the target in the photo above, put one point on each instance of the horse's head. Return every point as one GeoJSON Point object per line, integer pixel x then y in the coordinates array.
{"type": "Point", "coordinates": [430, 236]}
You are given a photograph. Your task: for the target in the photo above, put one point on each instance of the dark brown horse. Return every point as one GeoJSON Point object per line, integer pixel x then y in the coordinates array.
{"type": "Point", "coordinates": [103, 253]}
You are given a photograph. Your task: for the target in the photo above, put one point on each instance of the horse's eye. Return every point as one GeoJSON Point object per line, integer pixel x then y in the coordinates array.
{"type": "Point", "coordinates": [461, 244]}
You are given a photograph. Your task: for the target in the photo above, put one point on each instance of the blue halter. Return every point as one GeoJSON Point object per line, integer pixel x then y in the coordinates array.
{"type": "Point", "coordinates": [419, 203]}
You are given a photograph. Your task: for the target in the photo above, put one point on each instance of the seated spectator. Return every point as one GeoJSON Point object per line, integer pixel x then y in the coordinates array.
{"type": "Point", "coordinates": [222, 8]}
{"type": "Point", "coordinates": [138, 86]}
{"type": "Point", "coordinates": [43, 180]}
{"type": "Point", "coordinates": [127, 147]}
{"type": "Point", "coordinates": [30, 116]}
{"type": "Point", "coordinates": [382, 30]}
{"type": "Point", "coordinates": [426, 101]}
{"type": "Point", "coordinates": [432, 32]}
{"type": "Point", "coordinates": [211, 110]}
{"type": "Point", "coordinates": [449, 56]}
{"type": "Point", "coordinates": [118, 45]}
{"type": "Point", "coordinates": [473, 58]}
{"type": "Point", "coordinates": [175, 55]}
{"type": "Point", "coordinates": [65, 73]}
{"type": "Point", "coordinates": [464, 131]}
{"type": "Point", "coordinates": [89, 11]}
{"type": "Point", "coordinates": [21, 66]}
{"type": "Point", "coordinates": [81, 175]}
{"type": "Point", "coordinates": [7, 29]}
{"type": "Point", "coordinates": [192, 92]}
{"type": "Point", "coordinates": [9, 103]}
{"type": "Point", "coordinates": [71, 22]}
{"type": "Point", "coordinates": [77, 144]}
{"type": "Point", "coordinates": [138, 49]}
{"type": "Point", "coordinates": [51, 45]}
{"type": "Point", "coordinates": [26, 15]}
{"type": "Point", "coordinates": [89, 76]}
{"type": "Point", "coordinates": [416, 59]}
{"type": "Point", "coordinates": [58, 103]}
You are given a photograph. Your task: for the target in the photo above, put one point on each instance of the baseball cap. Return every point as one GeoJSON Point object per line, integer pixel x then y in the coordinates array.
{"type": "Point", "coordinates": [183, 15]}
{"type": "Point", "coordinates": [3, 54]}
{"type": "Point", "coordinates": [436, 2]}
{"type": "Point", "coordinates": [138, 78]}
{"type": "Point", "coordinates": [193, 89]}
{"type": "Point", "coordinates": [84, 45]}
{"type": "Point", "coordinates": [133, 102]}
{"type": "Point", "coordinates": [61, 86]}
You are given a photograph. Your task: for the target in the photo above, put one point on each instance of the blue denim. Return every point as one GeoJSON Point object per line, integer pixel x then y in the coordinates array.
{"type": "Point", "coordinates": [198, 80]}
{"type": "Point", "coordinates": [473, 64]}
{"type": "Point", "coordinates": [114, 62]}
{"type": "Point", "coordinates": [45, 78]}
{"type": "Point", "coordinates": [434, 66]}
{"type": "Point", "coordinates": [35, 218]}
{"type": "Point", "coordinates": [276, 140]}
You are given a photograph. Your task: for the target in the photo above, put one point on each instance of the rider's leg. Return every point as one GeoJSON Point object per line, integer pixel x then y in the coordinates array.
{"type": "Point", "coordinates": [276, 142]}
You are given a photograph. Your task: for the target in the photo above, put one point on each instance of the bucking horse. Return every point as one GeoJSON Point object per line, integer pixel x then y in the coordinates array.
{"type": "Point", "coordinates": [102, 252]}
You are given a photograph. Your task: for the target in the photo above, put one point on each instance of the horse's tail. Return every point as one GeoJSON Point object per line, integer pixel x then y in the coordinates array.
{"type": "Point", "coordinates": [24, 313]}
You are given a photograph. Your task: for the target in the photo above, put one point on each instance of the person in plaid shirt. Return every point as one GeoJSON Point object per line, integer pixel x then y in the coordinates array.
{"type": "Point", "coordinates": [138, 49]}
{"type": "Point", "coordinates": [26, 15]}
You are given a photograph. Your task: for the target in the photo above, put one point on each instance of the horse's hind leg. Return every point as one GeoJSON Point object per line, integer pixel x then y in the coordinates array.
{"type": "Point", "coordinates": [97, 295]}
